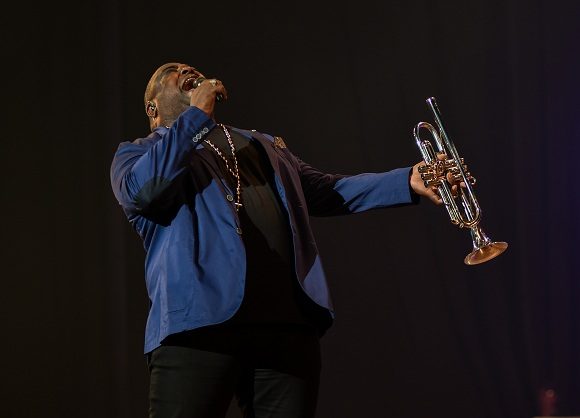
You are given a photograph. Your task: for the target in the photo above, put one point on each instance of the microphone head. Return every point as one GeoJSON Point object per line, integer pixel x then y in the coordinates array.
{"type": "Point", "coordinates": [197, 82]}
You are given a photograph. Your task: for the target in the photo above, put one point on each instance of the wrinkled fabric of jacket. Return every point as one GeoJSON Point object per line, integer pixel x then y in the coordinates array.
{"type": "Point", "coordinates": [175, 197]}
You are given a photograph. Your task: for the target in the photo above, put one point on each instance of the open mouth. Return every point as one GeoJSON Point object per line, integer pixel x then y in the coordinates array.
{"type": "Point", "coordinates": [189, 83]}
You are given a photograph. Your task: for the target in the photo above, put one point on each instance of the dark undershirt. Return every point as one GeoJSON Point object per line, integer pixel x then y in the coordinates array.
{"type": "Point", "coordinates": [272, 292]}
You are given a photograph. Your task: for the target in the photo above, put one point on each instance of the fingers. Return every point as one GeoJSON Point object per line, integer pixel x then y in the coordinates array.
{"type": "Point", "coordinates": [219, 89]}
{"type": "Point", "coordinates": [434, 196]}
{"type": "Point", "coordinates": [207, 93]}
{"type": "Point", "coordinates": [418, 185]}
{"type": "Point", "coordinates": [208, 87]}
{"type": "Point", "coordinates": [454, 191]}
{"type": "Point", "coordinates": [454, 182]}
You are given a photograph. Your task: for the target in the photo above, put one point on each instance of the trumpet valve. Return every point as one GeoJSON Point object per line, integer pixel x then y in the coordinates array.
{"type": "Point", "coordinates": [429, 175]}
{"type": "Point", "coordinates": [433, 173]}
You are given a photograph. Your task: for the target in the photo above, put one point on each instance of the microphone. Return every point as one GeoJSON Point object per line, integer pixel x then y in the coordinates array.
{"type": "Point", "coordinates": [219, 97]}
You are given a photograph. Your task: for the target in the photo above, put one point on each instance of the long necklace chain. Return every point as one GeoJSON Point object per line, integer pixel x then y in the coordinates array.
{"type": "Point", "coordinates": [235, 172]}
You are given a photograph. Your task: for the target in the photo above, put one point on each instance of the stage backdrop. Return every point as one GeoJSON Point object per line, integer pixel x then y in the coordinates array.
{"type": "Point", "coordinates": [417, 333]}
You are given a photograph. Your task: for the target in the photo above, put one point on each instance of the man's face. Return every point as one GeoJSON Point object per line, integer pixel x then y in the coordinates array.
{"type": "Point", "coordinates": [171, 86]}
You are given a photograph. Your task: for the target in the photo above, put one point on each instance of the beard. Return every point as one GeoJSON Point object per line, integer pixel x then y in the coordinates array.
{"type": "Point", "coordinates": [171, 107]}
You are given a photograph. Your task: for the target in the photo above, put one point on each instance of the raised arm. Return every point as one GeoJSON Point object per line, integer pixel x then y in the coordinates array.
{"type": "Point", "coordinates": [145, 174]}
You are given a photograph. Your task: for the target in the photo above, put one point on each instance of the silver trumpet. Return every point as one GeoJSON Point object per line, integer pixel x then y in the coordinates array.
{"type": "Point", "coordinates": [440, 173]}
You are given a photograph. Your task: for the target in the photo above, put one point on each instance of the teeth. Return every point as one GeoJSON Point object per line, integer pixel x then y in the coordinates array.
{"type": "Point", "coordinates": [189, 84]}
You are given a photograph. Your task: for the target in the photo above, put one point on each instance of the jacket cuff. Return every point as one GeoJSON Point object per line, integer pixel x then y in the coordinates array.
{"type": "Point", "coordinates": [415, 198]}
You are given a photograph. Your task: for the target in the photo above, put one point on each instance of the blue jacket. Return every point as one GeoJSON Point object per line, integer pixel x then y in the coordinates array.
{"type": "Point", "coordinates": [175, 197]}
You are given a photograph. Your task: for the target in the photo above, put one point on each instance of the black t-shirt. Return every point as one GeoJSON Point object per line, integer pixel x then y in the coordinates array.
{"type": "Point", "coordinates": [272, 292]}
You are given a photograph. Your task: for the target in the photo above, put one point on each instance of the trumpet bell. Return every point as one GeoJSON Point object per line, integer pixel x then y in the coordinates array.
{"type": "Point", "coordinates": [485, 253]}
{"type": "Point", "coordinates": [484, 249]}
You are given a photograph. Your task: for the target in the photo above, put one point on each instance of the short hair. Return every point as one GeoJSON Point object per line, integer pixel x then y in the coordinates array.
{"type": "Point", "coordinates": [151, 89]}
{"type": "Point", "coordinates": [150, 92]}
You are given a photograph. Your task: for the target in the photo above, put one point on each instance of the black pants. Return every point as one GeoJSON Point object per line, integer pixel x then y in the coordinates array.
{"type": "Point", "coordinates": [273, 371]}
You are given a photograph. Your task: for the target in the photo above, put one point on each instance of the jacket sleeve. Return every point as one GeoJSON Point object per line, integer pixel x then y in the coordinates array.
{"type": "Point", "coordinates": [336, 194]}
{"type": "Point", "coordinates": [145, 174]}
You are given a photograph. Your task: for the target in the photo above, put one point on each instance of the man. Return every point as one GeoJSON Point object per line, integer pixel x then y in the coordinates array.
{"type": "Point", "coordinates": [237, 290]}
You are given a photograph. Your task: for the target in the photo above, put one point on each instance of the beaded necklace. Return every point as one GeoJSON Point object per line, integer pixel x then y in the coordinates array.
{"type": "Point", "coordinates": [235, 172]}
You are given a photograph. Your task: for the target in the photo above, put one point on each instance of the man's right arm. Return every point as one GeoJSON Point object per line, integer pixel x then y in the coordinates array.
{"type": "Point", "coordinates": [145, 173]}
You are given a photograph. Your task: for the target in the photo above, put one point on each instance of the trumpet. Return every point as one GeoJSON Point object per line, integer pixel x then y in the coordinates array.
{"type": "Point", "coordinates": [437, 173]}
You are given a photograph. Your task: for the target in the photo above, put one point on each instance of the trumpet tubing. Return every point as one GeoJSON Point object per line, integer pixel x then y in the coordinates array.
{"type": "Point", "coordinates": [442, 173]}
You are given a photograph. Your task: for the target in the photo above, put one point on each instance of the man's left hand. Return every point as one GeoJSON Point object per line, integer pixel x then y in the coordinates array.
{"type": "Point", "coordinates": [418, 185]}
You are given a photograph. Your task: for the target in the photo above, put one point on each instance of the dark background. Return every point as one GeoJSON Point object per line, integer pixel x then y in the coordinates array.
{"type": "Point", "coordinates": [417, 333]}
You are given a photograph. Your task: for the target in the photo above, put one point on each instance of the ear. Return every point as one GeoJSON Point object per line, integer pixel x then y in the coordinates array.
{"type": "Point", "coordinates": [151, 109]}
